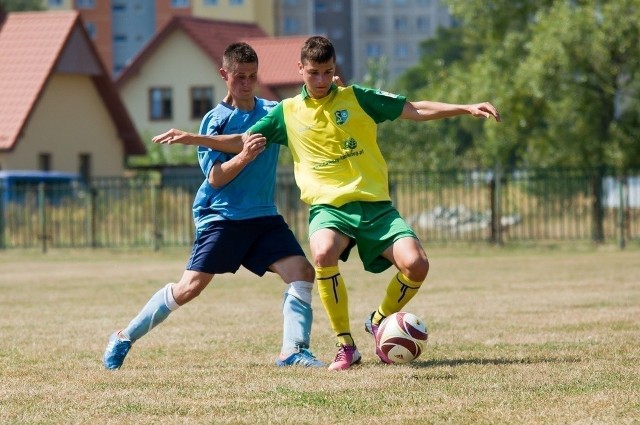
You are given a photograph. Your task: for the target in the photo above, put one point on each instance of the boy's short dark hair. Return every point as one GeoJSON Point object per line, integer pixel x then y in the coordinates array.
{"type": "Point", "coordinates": [317, 49]}
{"type": "Point", "coordinates": [238, 53]}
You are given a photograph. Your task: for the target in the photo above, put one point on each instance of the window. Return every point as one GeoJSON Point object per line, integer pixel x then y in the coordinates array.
{"type": "Point", "coordinates": [85, 4]}
{"type": "Point", "coordinates": [84, 168]}
{"type": "Point", "coordinates": [423, 2]}
{"type": "Point", "coordinates": [423, 24]}
{"type": "Point", "coordinates": [337, 33]}
{"type": "Point", "coordinates": [119, 7]}
{"type": "Point", "coordinates": [201, 101]}
{"type": "Point", "coordinates": [236, 2]}
{"type": "Point", "coordinates": [374, 50]}
{"type": "Point", "coordinates": [54, 3]}
{"type": "Point", "coordinates": [91, 29]}
{"type": "Point", "coordinates": [44, 161]}
{"type": "Point", "coordinates": [401, 23]}
{"type": "Point", "coordinates": [179, 3]}
{"type": "Point", "coordinates": [160, 104]}
{"type": "Point", "coordinates": [210, 2]}
{"type": "Point", "coordinates": [291, 25]}
{"type": "Point", "coordinates": [401, 50]}
{"type": "Point", "coordinates": [374, 24]}
{"type": "Point", "coordinates": [321, 6]}
{"type": "Point", "coordinates": [119, 38]}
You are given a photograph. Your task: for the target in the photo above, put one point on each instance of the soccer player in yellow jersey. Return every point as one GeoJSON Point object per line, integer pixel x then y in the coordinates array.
{"type": "Point", "coordinates": [332, 134]}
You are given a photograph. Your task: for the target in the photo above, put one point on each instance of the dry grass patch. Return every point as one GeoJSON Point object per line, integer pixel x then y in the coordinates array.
{"type": "Point", "coordinates": [516, 336]}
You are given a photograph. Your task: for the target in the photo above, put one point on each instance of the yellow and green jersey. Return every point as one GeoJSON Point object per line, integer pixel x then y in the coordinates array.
{"type": "Point", "coordinates": [333, 142]}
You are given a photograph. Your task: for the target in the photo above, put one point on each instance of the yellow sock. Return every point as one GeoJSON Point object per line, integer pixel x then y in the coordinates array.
{"type": "Point", "coordinates": [399, 292]}
{"type": "Point", "coordinates": [333, 294]}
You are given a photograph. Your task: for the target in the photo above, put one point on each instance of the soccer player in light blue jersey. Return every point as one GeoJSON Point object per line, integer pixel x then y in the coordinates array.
{"type": "Point", "coordinates": [237, 223]}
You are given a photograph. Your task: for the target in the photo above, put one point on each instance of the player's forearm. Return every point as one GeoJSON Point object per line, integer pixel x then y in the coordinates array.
{"type": "Point", "coordinates": [222, 174]}
{"type": "Point", "coordinates": [427, 110]}
{"type": "Point", "coordinates": [228, 143]}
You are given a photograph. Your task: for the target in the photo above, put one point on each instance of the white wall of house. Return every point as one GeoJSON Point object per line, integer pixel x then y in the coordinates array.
{"type": "Point", "coordinates": [180, 65]}
{"type": "Point", "coordinates": [70, 119]}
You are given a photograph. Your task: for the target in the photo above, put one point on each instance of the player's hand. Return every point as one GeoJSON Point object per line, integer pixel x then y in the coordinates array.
{"type": "Point", "coordinates": [256, 140]}
{"type": "Point", "coordinates": [252, 146]}
{"type": "Point", "coordinates": [484, 110]}
{"type": "Point", "coordinates": [173, 136]}
{"type": "Point", "coordinates": [338, 81]}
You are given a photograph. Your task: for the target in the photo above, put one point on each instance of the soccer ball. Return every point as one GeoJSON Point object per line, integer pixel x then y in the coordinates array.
{"type": "Point", "coordinates": [401, 337]}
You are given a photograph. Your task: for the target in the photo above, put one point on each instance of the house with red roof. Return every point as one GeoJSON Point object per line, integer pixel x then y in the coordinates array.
{"type": "Point", "coordinates": [174, 80]}
{"type": "Point", "coordinates": [59, 109]}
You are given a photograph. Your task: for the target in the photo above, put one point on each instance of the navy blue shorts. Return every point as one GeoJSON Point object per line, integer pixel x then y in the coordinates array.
{"type": "Point", "coordinates": [256, 243]}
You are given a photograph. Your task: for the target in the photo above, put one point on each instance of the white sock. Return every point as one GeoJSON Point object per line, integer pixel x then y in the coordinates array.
{"type": "Point", "coordinates": [168, 297]}
{"type": "Point", "coordinates": [301, 290]}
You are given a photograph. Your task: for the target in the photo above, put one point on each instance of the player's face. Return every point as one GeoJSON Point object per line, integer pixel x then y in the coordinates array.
{"type": "Point", "coordinates": [241, 81]}
{"type": "Point", "coordinates": [318, 77]}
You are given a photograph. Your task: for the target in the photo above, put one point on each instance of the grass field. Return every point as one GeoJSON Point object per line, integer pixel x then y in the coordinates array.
{"type": "Point", "coordinates": [517, 336]}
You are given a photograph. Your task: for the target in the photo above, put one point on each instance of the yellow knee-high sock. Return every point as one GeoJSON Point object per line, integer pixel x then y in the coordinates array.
{"type": "Point", "coordinates": [399, 292]}
{"type": "Point", "coordinates": [333, 294]}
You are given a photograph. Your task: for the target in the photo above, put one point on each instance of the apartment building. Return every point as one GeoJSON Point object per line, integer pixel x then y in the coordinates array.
{"type": "Point", "coordinates": [121, 28]}
{"type": "Point", "coordinates": [386, 31]}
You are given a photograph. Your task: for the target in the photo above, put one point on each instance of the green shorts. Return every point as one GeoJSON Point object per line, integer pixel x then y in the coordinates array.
{"type": "Point", "coordinates": [371, 226]}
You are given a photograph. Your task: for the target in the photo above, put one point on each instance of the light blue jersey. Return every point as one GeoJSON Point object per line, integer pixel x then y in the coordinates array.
{"type": "Point", "coordinates": [251, 193]}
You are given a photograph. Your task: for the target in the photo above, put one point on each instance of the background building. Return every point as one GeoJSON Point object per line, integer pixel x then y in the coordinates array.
{"type": "Point", "coordinates": [174, 80]}
{"type": "Point", "coordinates": [121, 28]}
{"type": "Point", "coordinates": [366, 29]}
{"type": "Point", "coordinates": [60, 110]}
{"type": "Point", "coordinates": [394, 29]}
{"type": "Point", "coordinates": [387, 31]}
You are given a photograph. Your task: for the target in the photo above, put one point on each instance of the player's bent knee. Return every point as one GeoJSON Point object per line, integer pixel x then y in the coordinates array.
{"type": "Point", "coordinates": [325, 258]}
{"type": "Point", "coordinates": [417, 270]}
{"type": "Point", "coordinates": [183, 292]}
{"type": "Point", "coordinates": [308, 273]}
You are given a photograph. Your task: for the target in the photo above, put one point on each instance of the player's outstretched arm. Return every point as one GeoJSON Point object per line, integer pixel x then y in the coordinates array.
{"type": "Point", "coordinates": [425, 110]}
{"type": "Point", "coordinates": [229, 143]}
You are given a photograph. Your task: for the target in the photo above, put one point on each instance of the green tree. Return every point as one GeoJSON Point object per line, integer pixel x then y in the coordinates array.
{"type": "Point", "coordinates": [377, 72]}
{"type": "Point", "coordinates": [581, 67]}
{"type": "Point", "coordinates": [21, 5]}
{"type": "Point", "coordinates": [562, 73]}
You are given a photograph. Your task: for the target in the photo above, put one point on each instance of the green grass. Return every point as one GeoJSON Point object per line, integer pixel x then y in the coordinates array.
{"type": "Point", "coordinates": [517, 336]}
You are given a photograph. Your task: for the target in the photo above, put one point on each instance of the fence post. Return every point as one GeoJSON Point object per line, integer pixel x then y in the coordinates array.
{"type": "Point", "coordinates": [2, 241]}
{"type": "Point", "coordinates": [154, 217]}
{"type": "Point", "coordinates": [597, 212]}
{"type": "Point", "coordinates": [621, 210]}
{"type": "Point", "coordinates": [93, 229]}
{"type": "Point", "coordinates": [495, 200]}
{"type": "Point", "coordinates": [42, 216]}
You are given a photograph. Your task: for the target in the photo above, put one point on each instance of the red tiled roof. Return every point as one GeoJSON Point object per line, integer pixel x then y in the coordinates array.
{"type": "Point", "coordinates": [30, 45]}
{"type": "Point", "coordinates": [210, 35]}
{"type": "Point", "coordinates": [279, 59]}
{"type": "Point", "coordinates": [213, 37]}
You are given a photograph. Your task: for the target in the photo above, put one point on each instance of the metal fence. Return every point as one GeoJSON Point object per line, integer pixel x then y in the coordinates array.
{"type": "Point", "coordinates": [527, 205]}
